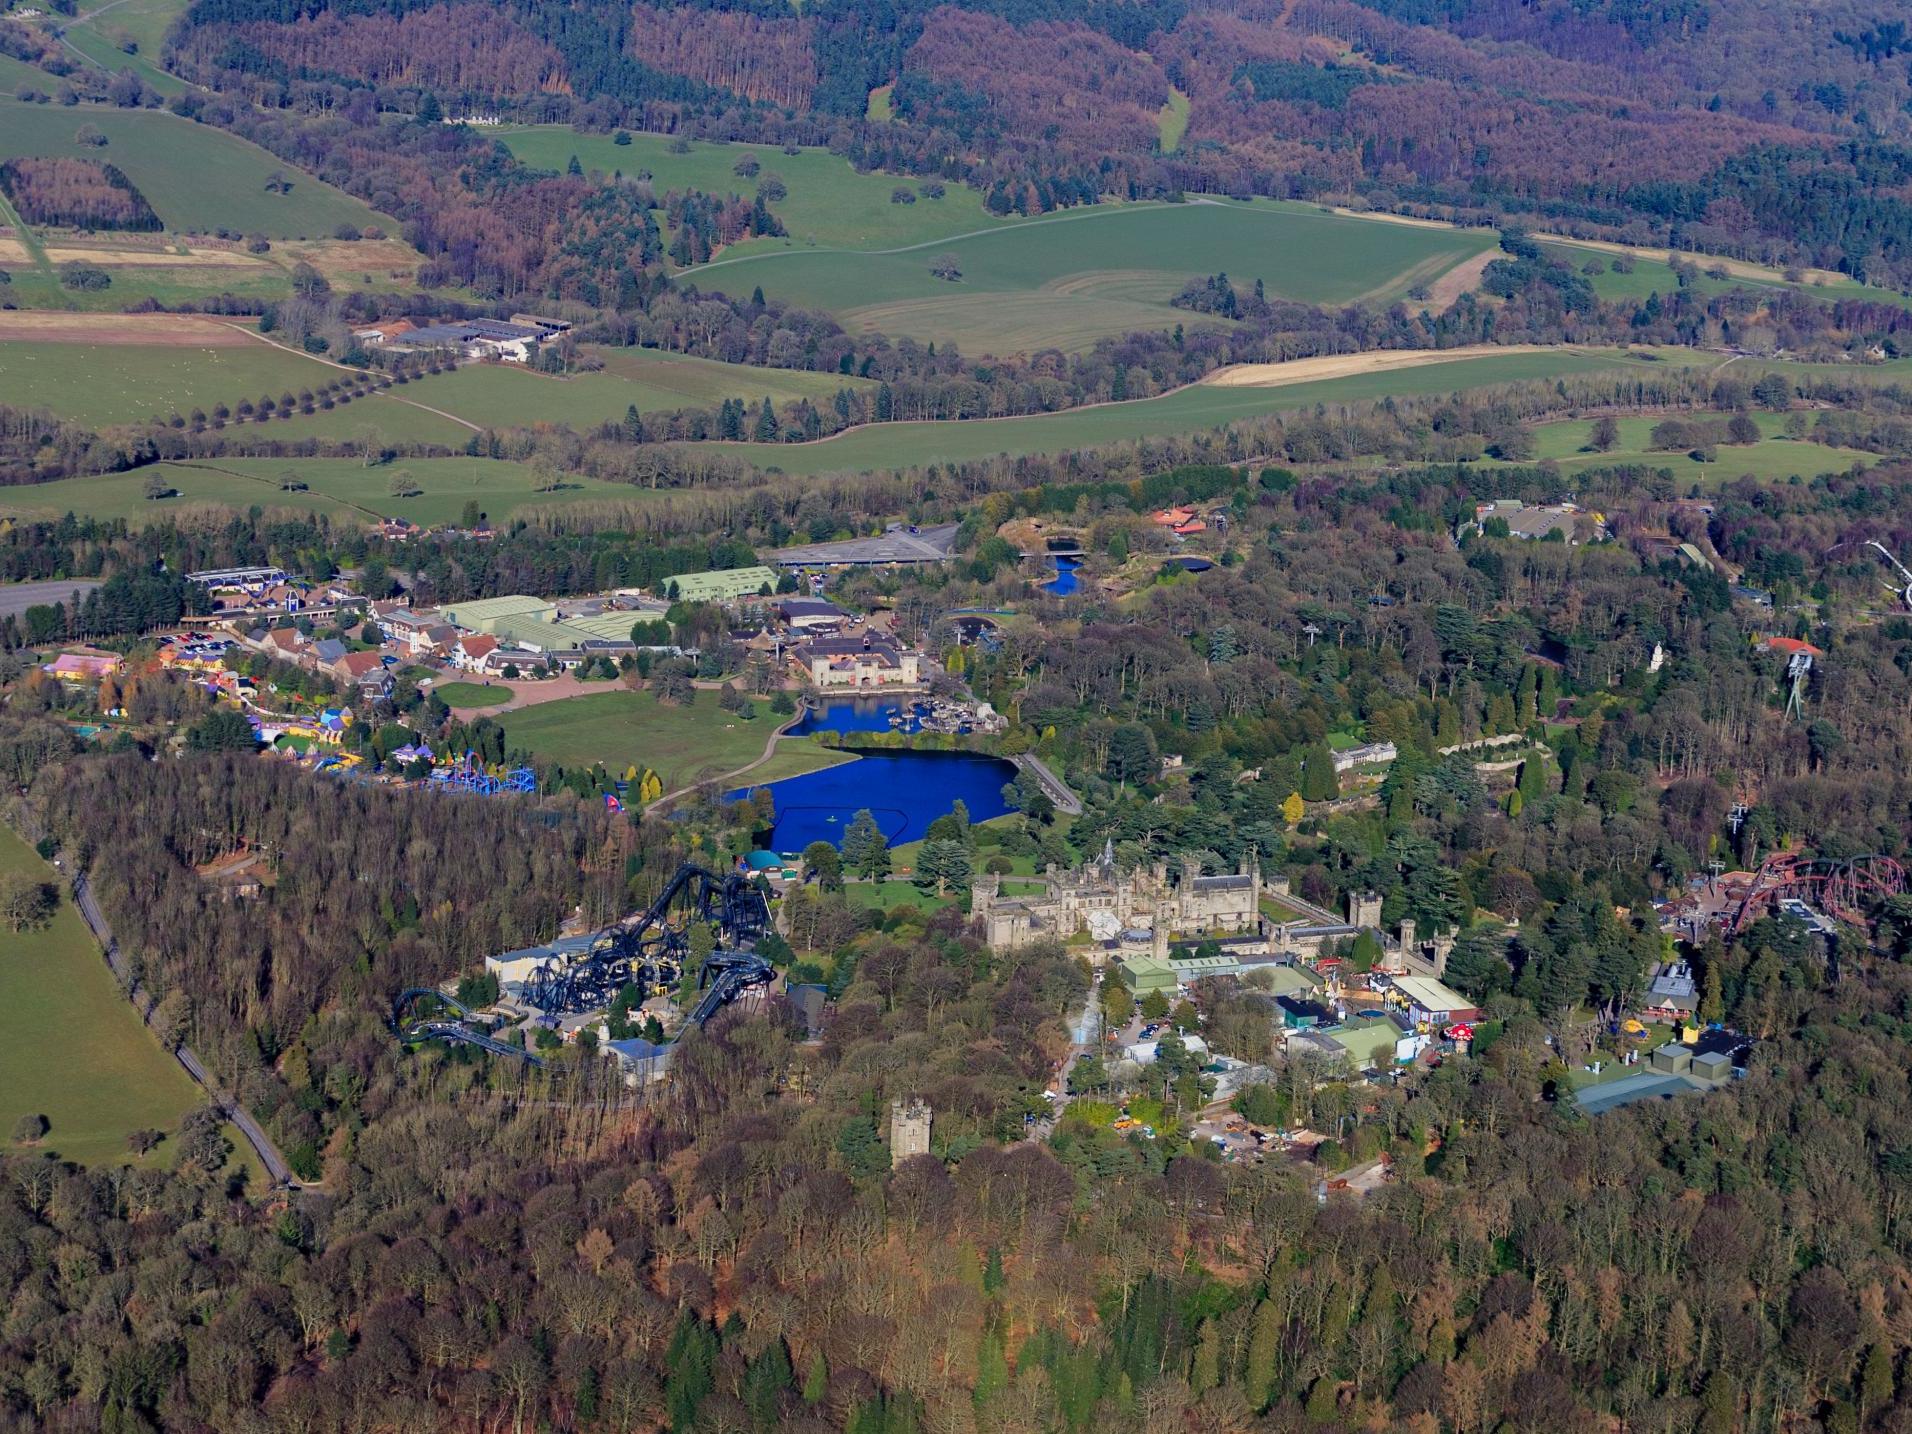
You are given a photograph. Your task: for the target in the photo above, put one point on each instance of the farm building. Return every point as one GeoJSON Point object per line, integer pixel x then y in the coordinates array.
{"type": "Point", "coordinates": [723, 585]}
{"type": "Point", "coordinates": [475, 338]}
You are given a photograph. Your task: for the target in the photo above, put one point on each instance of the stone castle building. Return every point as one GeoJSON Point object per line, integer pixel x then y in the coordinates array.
{"type": "Point", "coordinates": [1104, 900]}
{"type": "Point", "coordinates": [909, 1130]}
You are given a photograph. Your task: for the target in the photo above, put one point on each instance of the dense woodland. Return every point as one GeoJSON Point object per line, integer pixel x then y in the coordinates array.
{"type": "Point", "coordinates": [76, 192]}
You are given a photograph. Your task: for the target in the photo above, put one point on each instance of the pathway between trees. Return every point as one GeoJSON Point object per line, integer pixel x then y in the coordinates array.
{"type": "Point", "coordinates": [275, 1165]}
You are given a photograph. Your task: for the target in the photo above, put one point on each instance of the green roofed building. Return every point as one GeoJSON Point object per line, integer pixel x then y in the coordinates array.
{"type": "Point", "coordinates": [540, 635]}
{"type": "Point", "coordinates": [724, 585]}
{"type": "Point", "coordinates": [481, 614]}
{"type": "Point", "coordinates": [1371, 1045]}
{"type": "Point", "coordinates": [609, 626]}
{"type": "Point", "coordinates": [1147, 974]}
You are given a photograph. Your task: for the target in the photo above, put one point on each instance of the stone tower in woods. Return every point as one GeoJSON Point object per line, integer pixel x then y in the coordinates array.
{"type": "Point", "coordinates": [909, 1130]}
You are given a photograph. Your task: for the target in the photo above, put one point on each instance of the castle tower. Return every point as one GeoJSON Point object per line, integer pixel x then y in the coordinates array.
{"type": "Point", "coordinates": [1364, 910]}
{"type": "Point", "coordinates": [984, 888]}
{"type": "Point", "coordinates": [1158, 932]}
{"type": "Point", "coordinates": [909, 1130]}
{"type": "Point", "coordinates": [1407, 937]}
{"type": "Point", "coordinates": [1443, 945]}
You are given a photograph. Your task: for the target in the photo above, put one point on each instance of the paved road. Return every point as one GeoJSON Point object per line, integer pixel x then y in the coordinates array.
{"type": "Point", "coordinates": [276, 1168]}
{"type": "Point", "coordinates": [1067, 802]}
{"type": "Point", "coordinates": [1085, 1032]}
{"type": "Point", "coordinates": [16, 598]}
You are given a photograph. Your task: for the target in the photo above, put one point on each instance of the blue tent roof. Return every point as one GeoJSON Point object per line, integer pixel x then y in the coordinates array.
{"type": "Point", "coordinates": [761, 860]}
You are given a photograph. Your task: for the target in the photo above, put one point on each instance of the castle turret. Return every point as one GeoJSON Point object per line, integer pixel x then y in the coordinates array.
{"type": "Point", "coordinates": [984, 888]}
{"type": "Point", "coordinates": [909, 1130]}
{"type": "Point", "coordinates": [1364, 910]}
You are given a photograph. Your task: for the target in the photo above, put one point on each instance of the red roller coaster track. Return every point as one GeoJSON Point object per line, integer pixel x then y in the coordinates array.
{"type": "Point", "coordinates": [1842, 887]}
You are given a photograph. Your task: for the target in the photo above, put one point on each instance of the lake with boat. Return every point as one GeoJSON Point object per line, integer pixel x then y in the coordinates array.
{"type": "Point", "coordinates": [904, 791]}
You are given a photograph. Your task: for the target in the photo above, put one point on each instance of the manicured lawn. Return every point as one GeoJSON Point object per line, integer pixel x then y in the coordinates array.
{"type": "Point", "coordinates": [882, 895]}
{"type": "Point", "coordinates": [896, 445]}
{"type": "Point", "coordinates": [131, 383]}
{"type": "Point", "coordinates": [197, 178]}
{"type": "Point", "coordinates": [340, 486]}
{"type": "Point", "coordinates": [623, 729]}
{"type": "Point", "coordinates": [793, 758]}
{"type": "Point", "coordinates": [71, 1047]}
{"type": "Point", "coordinates": [470, 694]}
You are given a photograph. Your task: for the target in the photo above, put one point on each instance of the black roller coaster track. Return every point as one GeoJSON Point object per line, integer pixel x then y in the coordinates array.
{"type": "Point", "coordinates": [457, 1027]}
{"type": "Point", "coordinates": [643, 950]}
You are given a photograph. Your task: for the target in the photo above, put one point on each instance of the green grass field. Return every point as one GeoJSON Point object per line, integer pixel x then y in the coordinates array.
{"type": "Point", "coordinates": [144, 22]}
{"type": "Point", "coordinates": [99, 41]}
{"type": "Point", "coordinates": [71, 1047]}
{"type": "Point", "coordinates": [470, 694]}
{"type": "Point", "coordinates": [1076, 275]}
{"type": "Point", "coordinates": [342, 487]}
{"type": "Point", "coordinates": [1080, 274]}
{"type": "Point", "coordinates": [1172, 123]}
{"type": "Point", "coordinates": [901, 445]}
{"type": "Point", "coordinates": [795, 757]}
{"type": "Point", "coordinates": [622, 729]}
{"type": "Point", "coordinates": [130, 383]}
{"type": "Point", "coordinates": [1656, 276]}
{"type": "Point", "coordinates": [164, 284]}
{"type": "Point", "coordinates": [829, 205]}
{"type": "Point", "coordinates": [197, 178]}
{"type": "Point", "coordinates": [506, 396]}
{"type": "Point", "coordinates": [382, 416]}
{"type": "Point", "coordinates": [1774, 459]}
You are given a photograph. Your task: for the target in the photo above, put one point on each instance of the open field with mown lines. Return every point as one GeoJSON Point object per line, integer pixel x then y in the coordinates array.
{"type": "Point", "coordinates": [342, 487]}
{"type": "Point", "coordinates": [623, 729]}
{"type": "Point", "coordinates": [1066, 279]}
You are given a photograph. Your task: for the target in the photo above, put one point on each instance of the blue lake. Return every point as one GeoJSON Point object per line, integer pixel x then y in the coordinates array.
{"type": "Point", "coordinates": [1065, 579]}
{"type": "Point", "coordinates": [905, 792]}
{"type": "Point", "coordinates": [856, 714]}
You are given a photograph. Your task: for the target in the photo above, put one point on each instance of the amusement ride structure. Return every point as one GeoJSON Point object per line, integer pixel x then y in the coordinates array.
{"type": "Point", "coordinates": [646, 950]}
{"type": "Point", "coordinates": [1842, 886]}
